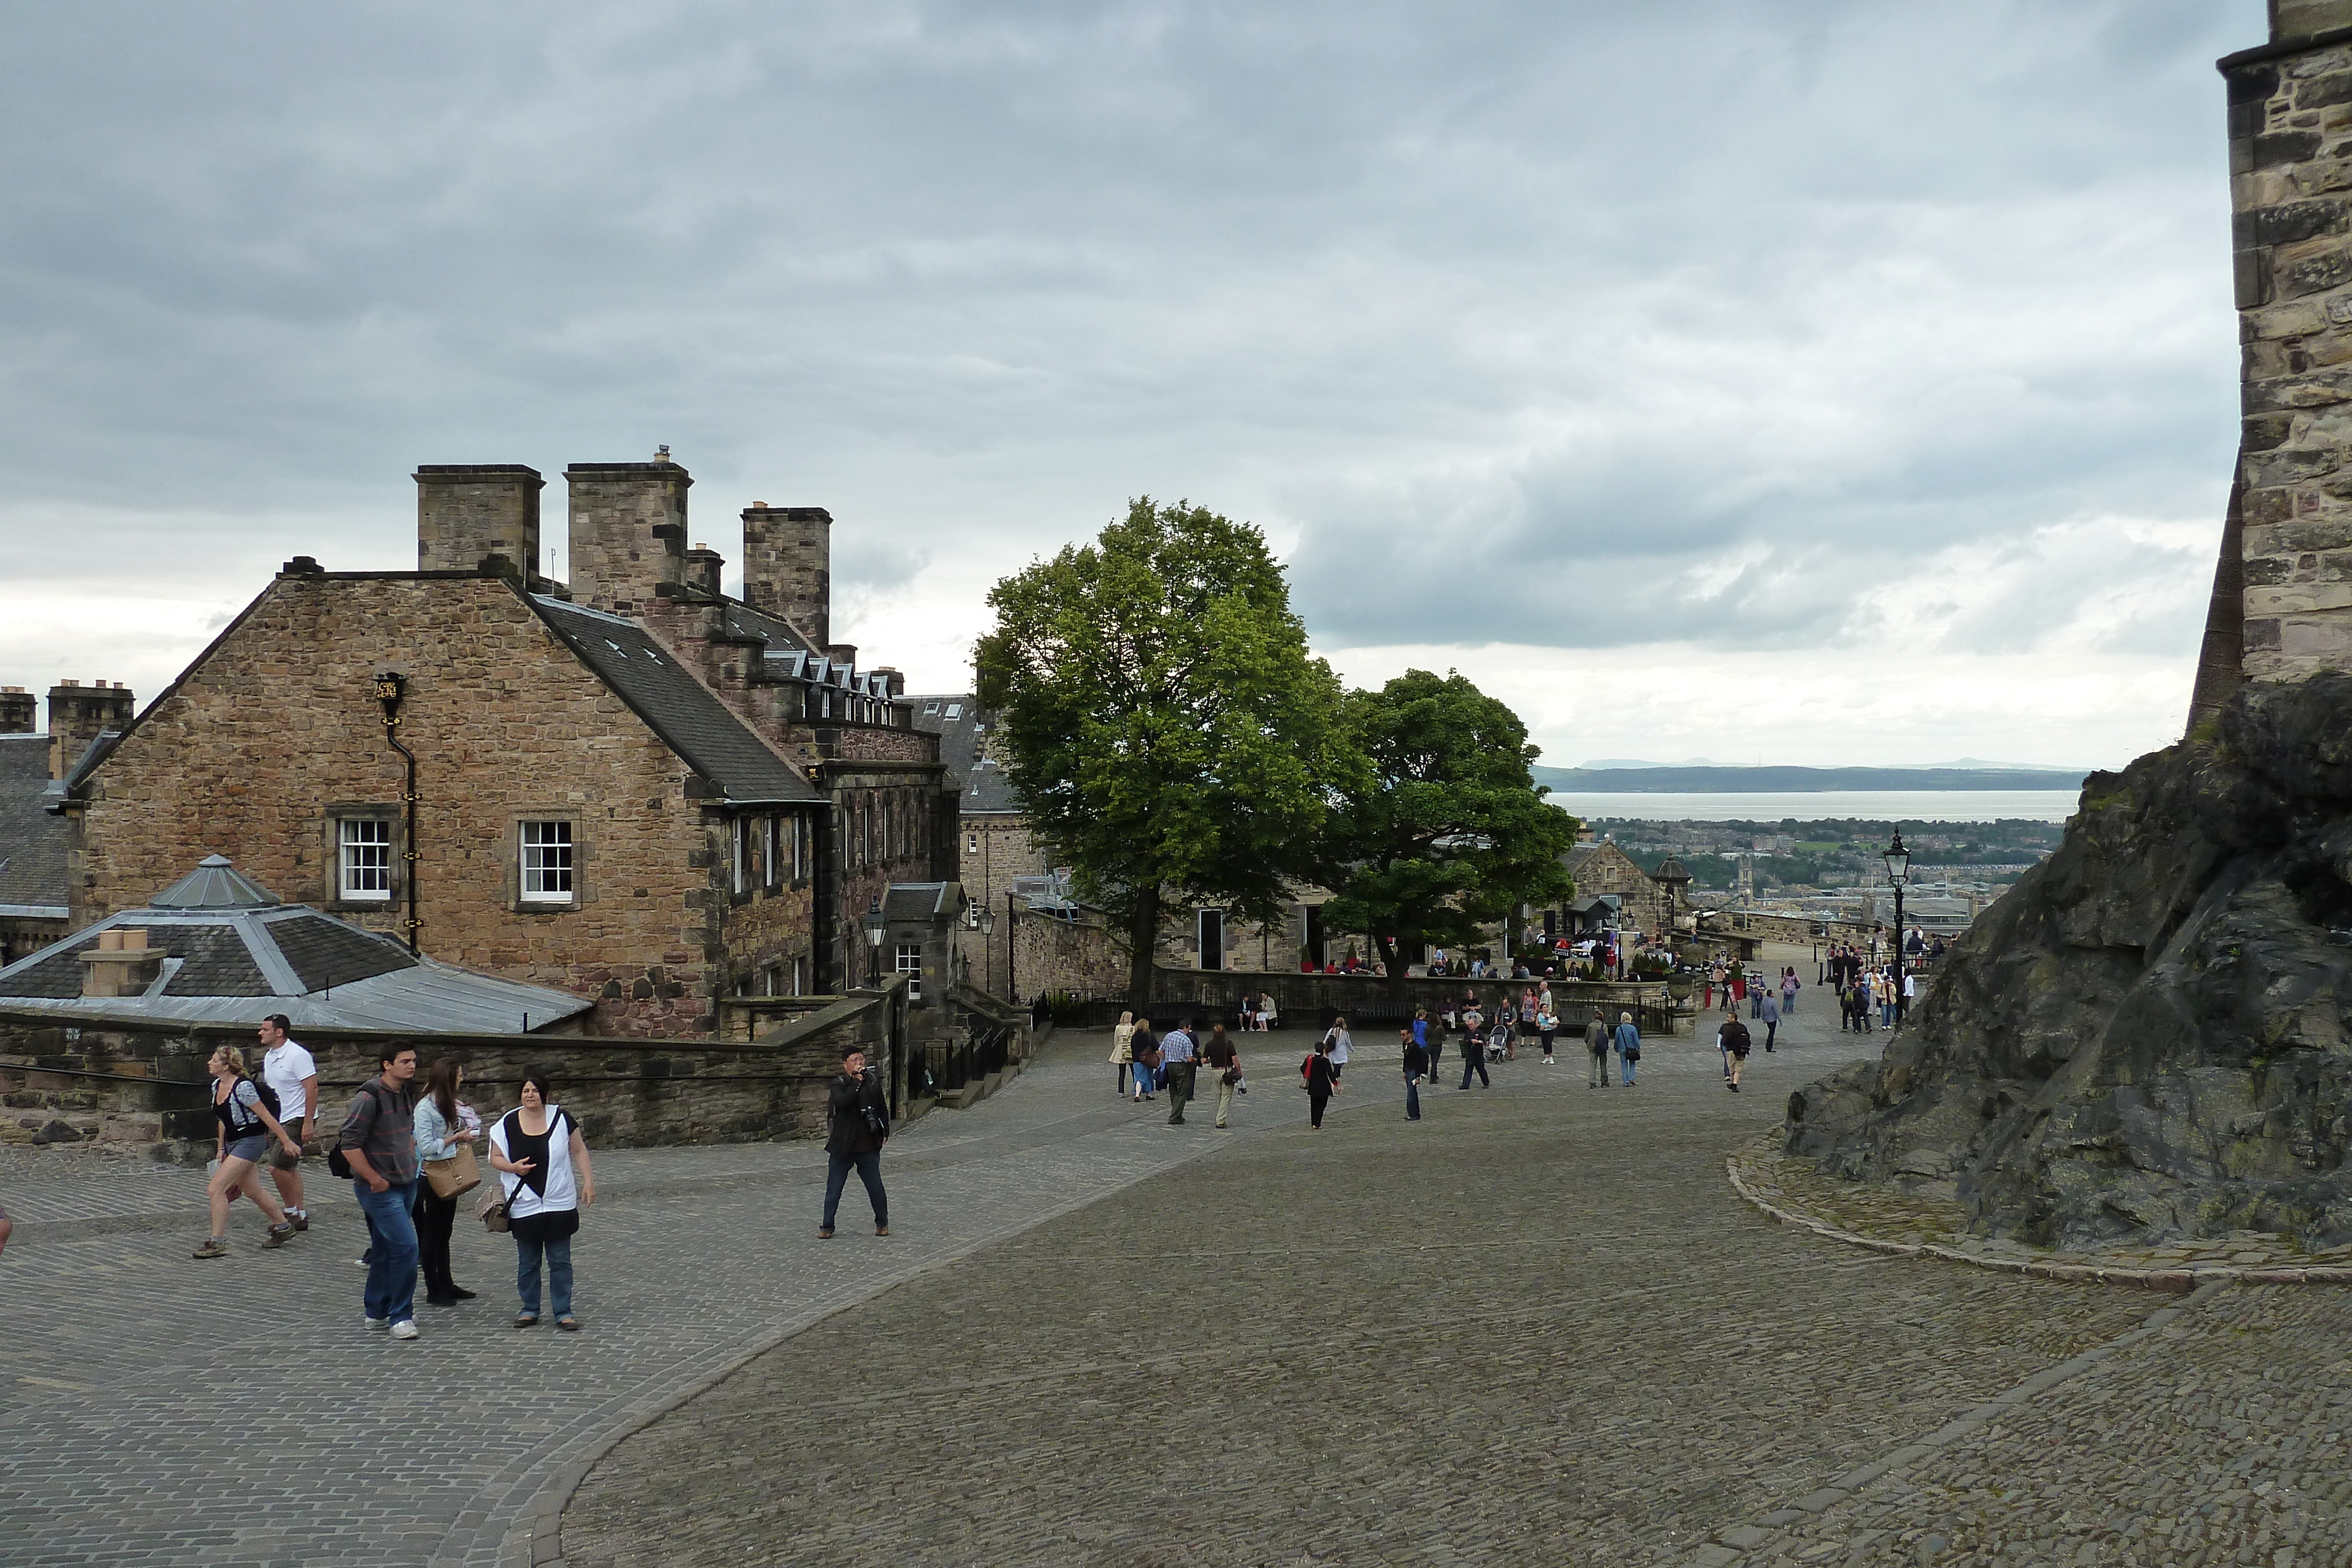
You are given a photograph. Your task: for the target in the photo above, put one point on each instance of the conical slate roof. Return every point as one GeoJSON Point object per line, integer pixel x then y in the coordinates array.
{"type": "Point", "coordinates": [213, 884]}
{"type": "Point", "coordinates": [1670, 870]}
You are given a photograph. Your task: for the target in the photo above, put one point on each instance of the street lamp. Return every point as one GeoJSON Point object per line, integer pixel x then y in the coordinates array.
{"type": "Point", "coordinates": [875, 925]}
{"type": "Point", "coordinates": [1898, 873]}
{"type": "Point", "coordinates": [986, 916]}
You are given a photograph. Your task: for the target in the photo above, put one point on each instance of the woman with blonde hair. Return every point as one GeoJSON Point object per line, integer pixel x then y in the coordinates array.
{"type": "Point", "coordinates": [247, 1126]}
{"type": "Point", "coordinates": [1123, 1051]}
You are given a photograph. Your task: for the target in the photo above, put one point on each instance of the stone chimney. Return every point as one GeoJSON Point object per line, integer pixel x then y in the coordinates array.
{"type": "Point", "coordinates": [17, 706]}
{"type": "Point", "coordinates": [628, 531]}
{"type": "Point", "coordinates": [788, 566]}
{"type": "Point", "coordinates": [121, 965]}
{"type": "Point", "coordinates": [703, 565]}
{"type": "Point", "coordinates": [893, 683]}
{"type": "Point", "coordinates": [843, 654]}
{"type": "Point", "coordinates": [77, 714]}
{"type": "Point", "coordinates": [467, 511]}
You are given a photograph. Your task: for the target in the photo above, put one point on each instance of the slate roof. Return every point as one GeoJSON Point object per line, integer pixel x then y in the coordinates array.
{"type": "Point", "coordinates": [689, 718]}
{"type": "Point", "coordinates": [985, 787]}
{"type": "Point", "coordinates": [742, 621]}
{"type": "Point", "coordinates": [921, 901]}
{"type": "Point", "coordinates": [238, 960]}
{"type": "Point", "coordinates": [32, 841]}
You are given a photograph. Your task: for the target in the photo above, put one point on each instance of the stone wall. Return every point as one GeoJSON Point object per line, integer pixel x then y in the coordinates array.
{"type": "Point", "coordinates": [2290, 126]}
{"type": "Point", "coordinates": [275, 731]}
{"type": "Point", "coordinates": [145, 1088]}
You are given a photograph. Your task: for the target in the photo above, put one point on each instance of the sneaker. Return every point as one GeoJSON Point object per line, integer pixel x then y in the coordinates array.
{"type": "Point", "coordinates": [361, 1261]}
{"type": "Point", "coordinates": [301, 1218]}
{"type": "Point", "coordinates": [214, 1247]}
{"type": "Point", "coordinates": [405, 1328]}
{"type": "Point", "coordinates": [280, 1235]}
{"type": "Point", "coordinates": [881, 1230]}
{"type": "Point", "coordinates": [377, 1322]}
{"type": "Point", "coordinates": [824, 1233]}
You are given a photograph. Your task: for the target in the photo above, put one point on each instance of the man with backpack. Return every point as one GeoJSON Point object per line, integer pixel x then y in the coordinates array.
{"type": "Point", "coordinates": [378, 1145]}
{"type": "Point", "coordinates": [1735, 1042]}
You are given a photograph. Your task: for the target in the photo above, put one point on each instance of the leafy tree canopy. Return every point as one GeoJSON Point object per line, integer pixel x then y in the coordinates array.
{"type": "Point", "coordinates": [1168, 730]}
{"type": "Point", "coordinates": [1447, 830]}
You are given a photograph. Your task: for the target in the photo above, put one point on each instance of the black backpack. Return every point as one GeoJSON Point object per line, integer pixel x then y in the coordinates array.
{"type": "Point", "coordinates": [338, 1165]}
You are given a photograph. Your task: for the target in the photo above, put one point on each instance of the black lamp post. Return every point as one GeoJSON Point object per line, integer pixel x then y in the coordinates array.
{"type": "Point", "coordinates": [1898, 873]}
{"type": "Point", "coordinates": [873, 925]}
{"type": "Point", "coordinates": [987, 919]}
{"type": "Point", "coordinates": [1012, 924]}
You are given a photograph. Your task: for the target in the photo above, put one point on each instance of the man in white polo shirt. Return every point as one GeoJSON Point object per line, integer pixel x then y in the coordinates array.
{"type": "Point", "coordinates": [293, 1077]}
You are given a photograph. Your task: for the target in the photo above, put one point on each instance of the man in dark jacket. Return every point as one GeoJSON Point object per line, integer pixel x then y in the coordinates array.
{"type": "Point", "coordinates": [857, 1123]}
{"type": "Point", "coordinates": [1416, 1068]}
{"type": "Point", "coordinates": [1735, 1042]}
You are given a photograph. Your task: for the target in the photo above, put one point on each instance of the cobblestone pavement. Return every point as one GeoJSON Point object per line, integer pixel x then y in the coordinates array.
{"type": "Point", "coordinates": [1535, 1328]}
{"type": "Point", "coordinates": [158, 1410]}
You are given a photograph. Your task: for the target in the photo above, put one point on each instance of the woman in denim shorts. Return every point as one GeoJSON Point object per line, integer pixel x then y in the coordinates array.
{"type": "Point", "coordinates": [246, 1127]}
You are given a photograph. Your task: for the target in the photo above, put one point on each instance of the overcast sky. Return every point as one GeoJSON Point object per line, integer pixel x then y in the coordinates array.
{"type": "Point", "coordinates": [1813, 383]}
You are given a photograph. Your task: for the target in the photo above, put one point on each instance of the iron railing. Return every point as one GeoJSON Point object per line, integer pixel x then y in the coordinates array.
{"type": "Point", "coordinates": [947, 1069]}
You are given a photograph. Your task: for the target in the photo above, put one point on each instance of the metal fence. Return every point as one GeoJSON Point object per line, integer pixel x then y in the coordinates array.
{"type": "Point", "coordinates": [947, 1069]}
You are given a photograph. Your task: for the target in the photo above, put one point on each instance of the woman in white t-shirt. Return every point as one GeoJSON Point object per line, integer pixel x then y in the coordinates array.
{"type": "Point", "coordinates": [1338, 1039]}
{"type": "Point", "coordinates": [539, 1147]}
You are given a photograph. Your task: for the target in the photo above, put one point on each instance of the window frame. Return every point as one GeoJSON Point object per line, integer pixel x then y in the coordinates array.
{"type": "Point", "coordinates": [525, 898]}
{"type": "Point", "coordinates": [902, 951]}
{"type": "Point", "coordinates": [342, 895]}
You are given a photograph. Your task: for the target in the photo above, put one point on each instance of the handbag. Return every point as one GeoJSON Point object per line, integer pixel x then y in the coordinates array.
{"type": "Point", "coordinates": [453, 1177]}
{"type": "Point", "coordinates": [493, 1208]}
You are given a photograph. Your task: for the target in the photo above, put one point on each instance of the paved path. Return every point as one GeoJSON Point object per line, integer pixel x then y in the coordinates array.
{"type": "Point", "coordinates": [158, 1410]}
{"type": "Point", "coordinates": [1532, 1329]}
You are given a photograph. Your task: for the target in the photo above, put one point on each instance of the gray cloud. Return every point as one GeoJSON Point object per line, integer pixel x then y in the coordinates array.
{"type": "Point", "coordinates": [1706, 318]}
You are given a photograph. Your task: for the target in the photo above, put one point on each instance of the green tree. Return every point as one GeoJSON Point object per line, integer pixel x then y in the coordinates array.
{"type": "Point", "coordinates": [1447, 831]}
{"type": "Point", "coordinates": [1170, 734]}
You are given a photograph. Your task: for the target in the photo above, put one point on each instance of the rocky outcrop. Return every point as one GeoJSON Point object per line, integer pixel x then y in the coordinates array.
{"type": "Point", "coordinates": [2147, 1035]}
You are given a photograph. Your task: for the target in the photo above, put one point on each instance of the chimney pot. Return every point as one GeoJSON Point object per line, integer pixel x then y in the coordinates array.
{"type": "Point", "coordinates": [111, 940]}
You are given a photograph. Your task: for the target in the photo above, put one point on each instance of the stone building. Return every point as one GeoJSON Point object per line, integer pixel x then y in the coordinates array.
{"type": "Point", "coordinates": [633, 788]}
{"type": "Point", "coordinates": [35, 900]}
{"type": "Point", "coordinates": [2281, 601]}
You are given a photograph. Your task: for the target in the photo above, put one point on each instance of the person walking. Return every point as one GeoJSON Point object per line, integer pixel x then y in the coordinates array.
{"type": "Point", "coordinates": [1438, 1029]}
{"type": "Point", "coordinates": [379, 1140]}
{"type": "Point", "coordinates": [1770, 1013]}
{"type": "Point", "coordinates": [539, 1147]}
{"type": "Point", "coordinates": [292, 1075]}
{"type": "Point", "coordinates": [1628, 1046]}
{"type": "Point", "coordinates": [444, 1124]}
{"type": "Point", "coordinates": [1122, 1052]}
{"type": "Point", "coordinates": [858, 1123]}
{"type": "Point", "coordinates": [1146, 1049]}
{"type": "Point", "coordinates": [1735, 1042]}
{"type": "Point", "coordinates": [1317, 1071]}
{"type": "Point", "coordinates": [1339, 1045]}
{"type": "Point", "coordinates": [1416, 1068]}
{"type": "Point", "coordinates": [1177, 1052]}
{"type": "Point", "coordinates": [1474, 1053]}
{"type": "Point", "coordinates": [1225, 1061]}
{"type": "Point", "coordinates": [243, 1126]}
{"type": "Point", "coordinates": [1596, 1044]}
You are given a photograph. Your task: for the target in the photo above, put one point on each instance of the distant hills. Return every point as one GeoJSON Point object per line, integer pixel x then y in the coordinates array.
{"type": "Point", "coordinates": [1685, 778]}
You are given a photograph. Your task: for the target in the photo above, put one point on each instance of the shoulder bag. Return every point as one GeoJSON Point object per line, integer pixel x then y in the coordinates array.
{"type": "Point", "coordinates": [493, 1206]}
{"type": "Point", "coordinates": [455, 1177]}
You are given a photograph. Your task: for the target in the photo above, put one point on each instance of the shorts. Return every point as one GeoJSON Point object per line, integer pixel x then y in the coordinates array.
{"type": "Point", "coordinates": [280, 1158]}
{"type": "Point", "coordinates": [245, 1149]}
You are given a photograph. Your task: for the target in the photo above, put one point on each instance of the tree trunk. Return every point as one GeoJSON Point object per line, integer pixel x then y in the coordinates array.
{"type": "Point", "coordinates": [1391, 951]}
{"type": "Point", "coordinates": [1143, 939]}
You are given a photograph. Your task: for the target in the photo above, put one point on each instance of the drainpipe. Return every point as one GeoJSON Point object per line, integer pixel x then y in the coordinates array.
{"type": "Point", "coordinates": [389, 689]}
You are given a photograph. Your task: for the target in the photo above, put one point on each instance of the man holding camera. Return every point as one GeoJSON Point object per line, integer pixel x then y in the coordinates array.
{"type": "Point", "coordinates": [858, 1123]}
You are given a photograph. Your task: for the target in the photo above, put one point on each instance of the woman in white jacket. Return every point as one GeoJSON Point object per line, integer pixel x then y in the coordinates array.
{"type": "Point", "coordinates": [1123, 1051]}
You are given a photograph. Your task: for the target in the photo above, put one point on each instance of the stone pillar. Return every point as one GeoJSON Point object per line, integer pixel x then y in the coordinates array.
{"type": "Point", "coordinates": [628, 531]}
{"type": "Point", "coordinates": [77, 714]}
{"type": "Point", "coordinates": [467, 512]}
{"type": "Point", "coordinates": [17, 708]}
{"type": "Point", "coordinates": [788, 566]}
{"type": "Point", "coordinates": [2290, 121]}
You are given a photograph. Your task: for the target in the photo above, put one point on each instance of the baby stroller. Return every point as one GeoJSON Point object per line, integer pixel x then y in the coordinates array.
{"type": "Point", "coordinates": [1498, 1042]}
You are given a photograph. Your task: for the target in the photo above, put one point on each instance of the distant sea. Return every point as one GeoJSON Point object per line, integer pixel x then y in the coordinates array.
{"type": "Point", "coordinates": [1868, 805]}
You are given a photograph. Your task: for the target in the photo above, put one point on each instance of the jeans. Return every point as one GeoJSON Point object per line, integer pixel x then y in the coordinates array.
{"type": "Point", "coordinates": [1627, 1062]}
{"type": "Point", "coordinates": [1788, 1003]}
{"type": "Point", "coordinates": [1887, 1015]}
{"type": "Point", "coordinates": [1224, 1099]}
{"type": "Point", "coordinates": [1180, 1089]}
{"type": "Point", "coordinates": [1772, 1030]}
{"type": "Point", "coordinates": [558, 1252]}
{"type": "Point", "coordinates": [868, 1166]}
{"type": "Point", "coordinates": [1474, 1061]}
{"type": "Point", "coordinates": [392, 1257]}
{"type": "Point", "coordinates": [1411, 1098]}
